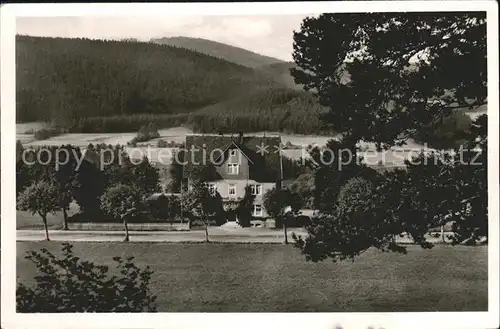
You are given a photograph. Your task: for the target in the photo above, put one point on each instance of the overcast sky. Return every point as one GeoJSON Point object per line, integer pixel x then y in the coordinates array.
{"type": "Point", "coordinates": [267, 35]}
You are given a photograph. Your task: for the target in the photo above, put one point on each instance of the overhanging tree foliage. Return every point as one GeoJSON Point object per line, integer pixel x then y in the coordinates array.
{"type": "Point", "coordinates": [470, 178]}
{"type": "Point", "coordinates": [384, 77]}
{"type": "Point", "coordinates": [359, 221]}
{"type": "Point", "coordinates": [123, 202]}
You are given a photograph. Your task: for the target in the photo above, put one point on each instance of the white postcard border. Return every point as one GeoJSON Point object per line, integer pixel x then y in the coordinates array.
{"type": "Point", "coordinates": [10, 319]}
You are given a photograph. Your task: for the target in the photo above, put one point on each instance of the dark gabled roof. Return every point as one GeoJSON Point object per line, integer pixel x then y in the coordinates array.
{"type": "Point", "coordinates": [231, 146]}
{"type": "Point", "coordinates": [263, 153]}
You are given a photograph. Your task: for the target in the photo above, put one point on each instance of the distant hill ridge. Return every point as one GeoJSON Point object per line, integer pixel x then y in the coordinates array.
{"type": "Point", "coordinates": [86, 85]}
{"type": "Point", "coordinates": [220, 50]}
{"type": "Point", "coordinates": [61, 77]}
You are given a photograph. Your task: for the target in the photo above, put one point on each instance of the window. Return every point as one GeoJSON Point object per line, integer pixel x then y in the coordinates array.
{"type": "Point", "coordinates": [256, 189]}
{"type": "Point", "coordinates": [233, 153]}
{"type": "Point", "coordinates": [233, 168]}
{"type": "Point", "coordinates": [257, 210]}
{"type": "Point", "coordinates": [231, 190]}
{"type": "Point", "coordinates": [212, 188]}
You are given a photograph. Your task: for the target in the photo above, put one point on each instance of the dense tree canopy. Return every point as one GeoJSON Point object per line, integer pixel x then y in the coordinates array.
{"type": "Point", "coordinates": [79, 177]}
{"type": "Point", "coordinates": [40, 198]}
{"type": "Point", "coordinates": [449, 134]}
{"type": "Point", "coordinates": [201, 203]}
{"type": "Point", "coordinates": [383, 76]}
{"type": "Point", "coordinates": [121, 200]}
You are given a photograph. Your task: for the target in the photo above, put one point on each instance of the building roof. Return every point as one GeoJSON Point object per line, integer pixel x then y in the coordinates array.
{"type": "Point", "coordinates": [230, 146]}
{"type": "Point", "coordinates": [263, 154]}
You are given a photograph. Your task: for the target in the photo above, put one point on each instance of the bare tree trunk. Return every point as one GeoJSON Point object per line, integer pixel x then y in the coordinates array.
{"type": "Point", "coordinates": [127, 236]}
{"type": "Point", "coordinates": [44, 218]}
{"type": "Point", "coordinates": [284, 227]}
{"type": "Point", "coordinates": [442, 233]}
{"type": "Point", "coordinates": [206, 231]}
{"type": "Point", "coordinates": [65, 216]}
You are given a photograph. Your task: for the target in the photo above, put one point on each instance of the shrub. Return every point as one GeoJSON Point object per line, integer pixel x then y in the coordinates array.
{"type": "Point", "coordinates": [304, 186]}
{"type": "Point", "coordinates": [46, 133]}
{"type": "Point", "coordinates": [299, 221]}
{"type": "Point", "coordinates": [145, 134]}
{"type": "Point", "coordinates": [165, 208]}
{"type": "Point", "coordinates": [276, 201]}
{"type": "Point", "coordinates": [164, 143]}
{"type": "Point", "coordinates": [245, 208]}
{"type": "Point", "coordinates": [290, 146]}
{"type": "Point", "coordinates": [199, 223]}
{"type": "Point", "coordinates": [69, 284]}
{"type": "Point", "coordinates": [125, 123]}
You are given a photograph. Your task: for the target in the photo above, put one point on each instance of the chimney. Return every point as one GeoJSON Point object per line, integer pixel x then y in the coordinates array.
{"type": "Point", "coordinates": [240, 137]}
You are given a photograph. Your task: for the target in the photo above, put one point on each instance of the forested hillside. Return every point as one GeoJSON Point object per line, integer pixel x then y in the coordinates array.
{"type": "Point", "coordinates": [77, 78]}
{"type": "Point", "coordinates": [275, 109]}
{"type": "Point", "coordinates": [272, 110]}
{"type": "Point", "coordinates": [220, 50]}
{"type": "Point", "coordinates": [281, 72]}
{"type": "Point", "coordinates": [116, 86]}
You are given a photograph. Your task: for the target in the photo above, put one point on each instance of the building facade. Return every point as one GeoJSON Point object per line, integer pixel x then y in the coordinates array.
{"type": "Point", "coordinates": [231, 163]}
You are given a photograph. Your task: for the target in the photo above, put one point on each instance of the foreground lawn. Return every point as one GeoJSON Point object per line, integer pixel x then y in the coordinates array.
{"type": "Point", "coordinates": [276, 278]}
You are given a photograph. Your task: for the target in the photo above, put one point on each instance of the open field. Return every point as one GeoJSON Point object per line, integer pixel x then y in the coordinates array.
{"type": "Point", "coordinates": [395, 156]}
{"type": "Point", "coordinates": [30, 127]}
{"type": "Point", "coordinates": [274, 278]}
{"type": "Point", "coordinates": [176, 134]}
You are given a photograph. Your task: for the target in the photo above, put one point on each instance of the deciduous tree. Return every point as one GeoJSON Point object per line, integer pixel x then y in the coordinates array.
{"type": "Point", "coordinates": [304, 186]}
{"type": "Point", "coordinates": [384, 77]}
{"type": "Point", "coordinates": [280, 203]}
{"type": "Point", "coordinates": [203, 204]}
{"type": "Point", "coordinates": [245, 208]}
{"type": "Point", "coordinates": [123, 202]}
{"type": "Point", "coordinates": [65, 177]}
{"type": "Point", "coordinates": [40, 198]}
{"type": "Point", "coordinates": [359, 222]}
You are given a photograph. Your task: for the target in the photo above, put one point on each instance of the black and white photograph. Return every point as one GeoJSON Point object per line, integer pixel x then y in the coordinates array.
{"type": "Point", "coordinates": [332, 159]}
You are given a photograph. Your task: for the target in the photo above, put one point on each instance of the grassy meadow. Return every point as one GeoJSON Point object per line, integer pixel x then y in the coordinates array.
{"type": "Point", "coordinates": [276, 278]}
